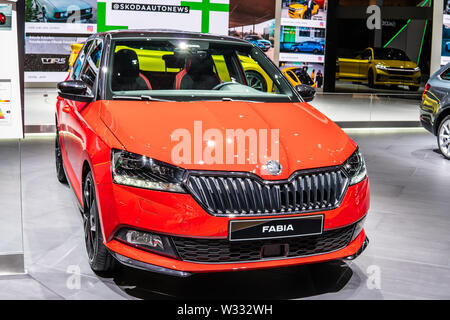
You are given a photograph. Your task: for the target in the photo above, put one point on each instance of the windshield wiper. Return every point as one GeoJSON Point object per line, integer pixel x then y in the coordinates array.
{"type": "Point", "coordinates": [239, 100]}
{"type": "Point", "coordinates": [141, 98]}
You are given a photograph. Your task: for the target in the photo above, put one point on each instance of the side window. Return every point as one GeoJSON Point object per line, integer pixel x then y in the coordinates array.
{"type": "Point", "coordinates": [90, 69]}
{"type": "Point", "coordinates": [80, 60]}
{"type": "Point", "coordinates": [446, 75]}
{"type": "Point", "coordinates": [292, 75]}
{"type": "Point", "coordinates": [367, 55]}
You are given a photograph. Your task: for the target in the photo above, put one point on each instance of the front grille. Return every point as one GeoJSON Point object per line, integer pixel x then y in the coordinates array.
{"type": "Point", "coordinates": [223, 251]}
{"type": "Point", "coordinates": [224, 195]}
{"type": "Point", "coordinates": [404, 72]}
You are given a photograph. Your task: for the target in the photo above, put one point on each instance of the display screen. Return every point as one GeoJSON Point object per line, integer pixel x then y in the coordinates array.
{"type": "Point", "coordinates": [302, 41]}
{"type": "Point", "coordinates": [51, 27]}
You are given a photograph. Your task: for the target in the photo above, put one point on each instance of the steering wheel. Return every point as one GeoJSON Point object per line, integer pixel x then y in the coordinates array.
{"type": "Point", "coordinates": [223, 84]}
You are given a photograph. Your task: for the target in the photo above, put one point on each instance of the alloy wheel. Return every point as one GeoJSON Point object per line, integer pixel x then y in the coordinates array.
{"type": "Point", "coordinates": [90, 218]}
{"type": "Point", "coordinates": [256, 81]}
{"type": "Point", "coordinates": [444, 138]}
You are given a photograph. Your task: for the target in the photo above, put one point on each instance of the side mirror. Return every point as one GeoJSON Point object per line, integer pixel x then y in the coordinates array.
{"type": "Point", "coordinates": [307, 92]}
{"type": "Point", "coordinates": [75, 90]}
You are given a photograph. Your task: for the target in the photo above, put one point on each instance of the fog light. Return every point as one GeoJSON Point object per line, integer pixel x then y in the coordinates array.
{"type": "Point", "coordinates": [358, 228]}
{"type": "Point", "coordinates": [146, 240]}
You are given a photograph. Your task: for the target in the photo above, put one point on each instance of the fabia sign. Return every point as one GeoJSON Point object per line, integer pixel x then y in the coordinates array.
{"type": "Point", "coordinates": [207, 16]}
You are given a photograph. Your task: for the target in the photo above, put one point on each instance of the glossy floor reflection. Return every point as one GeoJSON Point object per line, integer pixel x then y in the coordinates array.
{"type": "Point", "coordinates": [408, 256]}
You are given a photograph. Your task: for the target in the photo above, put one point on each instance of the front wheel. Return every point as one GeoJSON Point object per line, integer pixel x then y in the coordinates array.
{"type": "Point", "coordinates": [60, 174]}
{"type": "Point", "coordinates": [100, 259]}
{"type": "Point", "coordinates": [444, 137]}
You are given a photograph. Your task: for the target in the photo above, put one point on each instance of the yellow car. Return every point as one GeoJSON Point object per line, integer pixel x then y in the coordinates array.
{"type": "Point", "coordinates": [380, 66]}
{"type": "Point", "coordinates": [76, 47]}
{"type": "Point", "coordinates": [297, 76]}
{"type": "Point", "coordinates": [152, 61]}
{"type": "Point", "coordinates": [300, 10]}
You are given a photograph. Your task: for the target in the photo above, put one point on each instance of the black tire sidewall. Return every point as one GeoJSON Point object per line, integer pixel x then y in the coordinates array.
{"type": "Point", "coordinates": [101, 261]}
{"type": "Point", "coordinates": [60, 173]}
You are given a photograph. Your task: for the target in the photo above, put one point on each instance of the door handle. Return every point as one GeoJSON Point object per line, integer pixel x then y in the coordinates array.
{"type": "Point", "coordinates": [67, 109]}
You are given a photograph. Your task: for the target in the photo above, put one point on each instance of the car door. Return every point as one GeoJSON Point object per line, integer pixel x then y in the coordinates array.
{"type": "Point", "coordinates": [353, 68]}
{"type": "Point", "coordinates": [75, 126]}
{"type": "Point", "coordinates": [364, 63]}
{"type": "Point", "coordinates": [66, 108]}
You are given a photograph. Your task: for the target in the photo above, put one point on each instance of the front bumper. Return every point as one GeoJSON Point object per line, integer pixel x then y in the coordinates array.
{"type": "Point", "coordinates": [180, 216]}
{"type": "Point", "coordinates": [386, 78]}
{"type": "Point", "coordinates": [144, 260]}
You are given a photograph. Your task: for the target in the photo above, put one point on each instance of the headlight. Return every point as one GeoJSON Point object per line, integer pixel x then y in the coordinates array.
{"type": "Point", "coordinates": [139, 171]}
{"type": "Point", "coordinates": [416, 69]}
{"type": "Point", "coordinates": [88, 10]}
{"type": "Point", "coordinates": [355, 166]}
{"type": "Point", "coordinates": [381, 67]}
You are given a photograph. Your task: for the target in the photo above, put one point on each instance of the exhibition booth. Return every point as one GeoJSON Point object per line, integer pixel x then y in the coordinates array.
{"type": "Point", "coordinates": [108, 92]}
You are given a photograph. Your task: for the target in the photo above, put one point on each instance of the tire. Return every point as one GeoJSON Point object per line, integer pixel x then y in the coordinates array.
{"type": "Point", "coordinates": [296, 50]}
{"type": "Point", "coordinates": [60, 174]}
{"type": "Point", "coordinates": [443, 137]}
{"type": "Point", "coordinates": [370, 79]}
{"type": "Point", "coordinates": [99, 257]}
{"type": "Point", "coordinates": [256, 81]}
{"type": "Point", "coordinates": [413, 88]}
{"type": "Point", "coordinates": [316, 51]}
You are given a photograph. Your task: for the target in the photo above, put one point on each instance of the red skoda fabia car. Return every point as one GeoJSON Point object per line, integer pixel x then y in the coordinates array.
{"type": "Point", "coordinates": [191, 153]}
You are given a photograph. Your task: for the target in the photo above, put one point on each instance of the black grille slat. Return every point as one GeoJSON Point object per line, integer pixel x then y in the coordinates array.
{"type": "Point", "coordinates": [223, 251]}
{"type": "Point", "coordinates": [249, 195]}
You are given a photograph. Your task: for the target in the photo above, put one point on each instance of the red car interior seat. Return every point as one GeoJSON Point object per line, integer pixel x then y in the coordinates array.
{"type": "Point", "coordinates": [126, 73]}
{"type": "Point", "coordinates": [198, 74]}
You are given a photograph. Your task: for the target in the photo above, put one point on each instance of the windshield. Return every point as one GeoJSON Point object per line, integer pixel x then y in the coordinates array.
{"type": "Point", "coordinates": [191, 70]}
{"type": "Point", "coordinates": [390, 54]}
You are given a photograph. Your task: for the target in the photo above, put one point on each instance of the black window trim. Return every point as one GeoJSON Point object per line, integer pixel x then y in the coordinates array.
{"type": "Point", "coordinates": [95, 86]}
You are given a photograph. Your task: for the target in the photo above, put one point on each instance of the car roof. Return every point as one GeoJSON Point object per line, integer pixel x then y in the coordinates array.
{"type": "Point", "coordinates": [119, 34]}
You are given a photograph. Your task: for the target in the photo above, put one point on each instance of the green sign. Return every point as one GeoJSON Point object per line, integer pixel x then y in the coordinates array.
{"type": "Point", "coordinates": [206, 7]}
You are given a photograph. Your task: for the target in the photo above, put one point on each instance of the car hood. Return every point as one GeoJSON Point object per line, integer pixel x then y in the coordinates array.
{"type": "Point", "coordinates": [307, 139]}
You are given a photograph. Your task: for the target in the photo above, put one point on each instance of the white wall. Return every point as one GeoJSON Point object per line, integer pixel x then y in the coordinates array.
{"type": "Point", "coordinates": [9, 69]}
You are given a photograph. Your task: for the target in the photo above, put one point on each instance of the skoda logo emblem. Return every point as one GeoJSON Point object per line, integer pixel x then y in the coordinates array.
{"type": "Point", "coordinates": [274, 167]}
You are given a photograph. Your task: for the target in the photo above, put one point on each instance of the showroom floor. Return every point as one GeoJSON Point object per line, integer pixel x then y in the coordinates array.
{"type": "Point", "coordinates": [408, 256]}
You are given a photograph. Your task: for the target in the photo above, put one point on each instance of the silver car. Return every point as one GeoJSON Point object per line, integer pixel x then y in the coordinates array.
{"type": "Point", "coordinates": [435, 108]}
